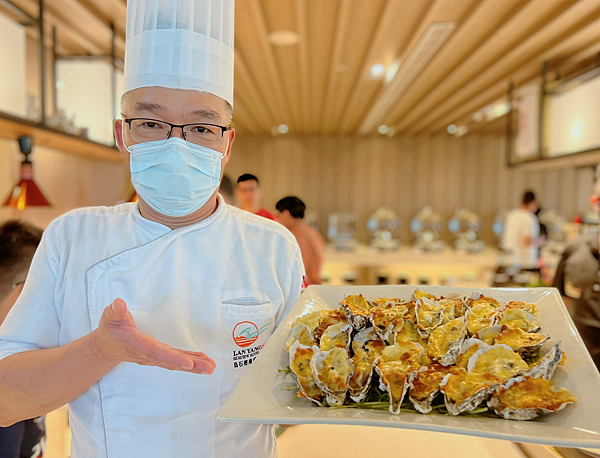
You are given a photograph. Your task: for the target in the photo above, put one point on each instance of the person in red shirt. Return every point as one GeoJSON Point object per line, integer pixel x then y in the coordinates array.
{"type": "Point", "coordinates": [248, 191]}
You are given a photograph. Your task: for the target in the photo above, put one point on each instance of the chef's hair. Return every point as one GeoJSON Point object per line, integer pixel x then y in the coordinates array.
{"type": "Point", "coordinates": [528, 197]}
{"type": "Point", "coordinates": [18, 242]}
{"type": "Point", "coordinates": [292, 204]}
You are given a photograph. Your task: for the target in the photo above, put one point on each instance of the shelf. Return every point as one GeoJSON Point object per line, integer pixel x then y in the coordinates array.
{"type": "Point", "coordinates": [12, 127]}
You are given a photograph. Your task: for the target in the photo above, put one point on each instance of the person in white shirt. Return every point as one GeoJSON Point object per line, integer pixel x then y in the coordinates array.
{"type": "Point", "coordinates": [521, 233]}
{"type": "Point", "coordinates": [145, 316]}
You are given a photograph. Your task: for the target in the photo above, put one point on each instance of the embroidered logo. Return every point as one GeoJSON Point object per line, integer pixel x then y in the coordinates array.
{"type": "Point", "coordinates": [246, 333]}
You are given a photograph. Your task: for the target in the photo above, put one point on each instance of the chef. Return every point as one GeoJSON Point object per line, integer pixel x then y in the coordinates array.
{"type": "Point", "coordinates": [145, 316]}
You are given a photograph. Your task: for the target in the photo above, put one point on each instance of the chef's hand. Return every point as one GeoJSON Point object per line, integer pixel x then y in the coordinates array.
{"type": "Point", "coordinates": [119, 340]}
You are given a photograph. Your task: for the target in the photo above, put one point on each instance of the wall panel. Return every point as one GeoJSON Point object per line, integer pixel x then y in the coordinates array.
{"type": "Point", "coordinates": [360, 174]}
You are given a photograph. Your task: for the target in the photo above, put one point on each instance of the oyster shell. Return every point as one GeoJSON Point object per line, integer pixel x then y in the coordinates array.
{"type": "Point", "coordinates": [368, 340]}
{"type": "Point", "coordinates": [408, 333]}
{"type": "Point", "coordinates": [446, 340]}
{"type": "Point", "coordinates": [336, 336]}
{"type": "Point", "coordinates": [397, 366]}
{"type": "Point", "coordinates": [477, 299]}
{"type": "Point", "coordinates": [418, 294]}
{"type": "Point", "coordinates": [310, 319]}
{"type": "Point", "coordinates": [468, 349]}
{"type": "Point", "coordinates": [488, 335]}
{"type": "Point", "coordinates": [526, 344]}
{"type": "Point", "coordinates": [518, 318]}
{"type": "Point", "coordinates": [464, 391]}
{"type": "Point", "coordinates": [383, 303]}
{"type": "Point", "coordinates": [430, 315]}
{"type": "Point", "coordinates": [300, 333]}
{"type": "Point", "coordinates": [357, 310]}
{"type": "Point", "coordinates": [328, 318]}
{"type": "Point", "coordinates": [425, 386]}
{"type": "Point", "coordinates": [479, 316]}
{"type": "Point", "coordinates": [332, 371]}
{"type": "Point", "coordinates": [545, 367]}
{"type": "Point", "coordinates": [300, 357]}
{"type": "Point", "coordinates": [524, 398]}
{"type": "Point", "coordinates": [449, 308]}
{"type": "Point", "coordinates": [498, 360]}
{"type": "Point", "coordinates": [387, 322]}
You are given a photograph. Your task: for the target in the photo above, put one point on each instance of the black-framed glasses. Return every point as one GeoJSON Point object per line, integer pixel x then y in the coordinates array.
{"type": "Point", "coordinates": [148, 130]}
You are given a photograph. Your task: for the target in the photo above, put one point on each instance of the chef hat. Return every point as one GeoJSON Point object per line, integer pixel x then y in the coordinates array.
{"type": "Point", "coordinates": [180, 44]}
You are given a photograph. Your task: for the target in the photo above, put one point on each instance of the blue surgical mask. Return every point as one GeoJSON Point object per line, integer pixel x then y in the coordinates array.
{"type": "Point", "coordinates": [174, 177]}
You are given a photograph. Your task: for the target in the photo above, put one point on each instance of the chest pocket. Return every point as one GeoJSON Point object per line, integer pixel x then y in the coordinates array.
{"type": "Point", "coordinates": [248, 322]}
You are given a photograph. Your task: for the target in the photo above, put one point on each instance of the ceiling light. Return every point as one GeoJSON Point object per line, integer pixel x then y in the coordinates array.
{"type": "Point", "coordinates": [500, 109]}
{"type": "Point", "coordinates": [478, 116]}
{"type": "Point", "coordinates": [452, 129]}
{"type": "Point", "coordinates": [377, 71]}
{"type": "Point", "coordinates": [392, 70]}
{"type": "Point", "coordinates": [383, 129]}
{"type": "Point", "coordinates": [283, 38]}
{"type": "Point", "coordinates": [283, 129]}
{"type": "Point", "coordinates": [391, 132]}
{"type": "Point", "coordinates": [461, 130]}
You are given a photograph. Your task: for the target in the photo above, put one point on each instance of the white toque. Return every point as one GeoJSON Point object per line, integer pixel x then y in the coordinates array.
{"type": "Point", "coordinates": [180, 44]}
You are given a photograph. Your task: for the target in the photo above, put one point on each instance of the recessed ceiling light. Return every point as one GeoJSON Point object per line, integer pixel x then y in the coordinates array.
{"type": "Point", "coordinates": [283, 38]}
{"type": "Point", "coordinates": [377, 71]}
{"type": "Point", "coordinates": [391, 132]}
{"type": "Point", "coordinates": [452, 129]}
{"type": "Point", "coordinates": [478, 116]}
{"type": "Point", "coordinates": [392, 70]}
{"type": "Point", "coordinates": [383, 129]}
{"type": "Point", "coordinates": [283, 129]}
{"type": "Point", "coordinates": [461, 130]}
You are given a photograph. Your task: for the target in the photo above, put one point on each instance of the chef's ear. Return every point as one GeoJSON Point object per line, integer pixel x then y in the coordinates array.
{"type": "Point", "coordinates": [229, 143]}
{"type": "Point", "coordinates": [118, 132]}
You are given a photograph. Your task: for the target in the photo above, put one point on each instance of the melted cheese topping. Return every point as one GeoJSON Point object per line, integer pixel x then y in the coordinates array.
{"type": "Point", "coordinates": [336, 336]}
{"type": "Point", "coordinates": [484, 300]}
{"type": "Point", "coordinates": [517, 318]}
{"type": "Point", "coordinates": [301, 367]}
{"type": "Point", "coordinates": [357, 305]}
{"type": "Point", "coordinates": [419, 294]}
{"type": "Point", "coordinates": [363, 366]}
{"type": "Point", "coordinates": [480, 316]}
{"type": "Point", "coordinates": [311, 320]}
{"type": "Point", "coordinates": [430, 316]}
{"type": "Point", "coordinates": [375, 348]}
{"type": "Point", "coordinates": [301, 333]}
{"type": "Point", "coordinates": [499, 361]}
{"type": "Point", "coordinates": [385, 318]}
{"type": "Point", "coordinates": [516, 338]}
{"type": "Point", "coordinates": [328, 318]}
{"type": "Point", "coordinates": [462, 385]}
{"type": "Point", "coordinates": [533, 393]}
{"type": "Point", "coordinates": [408, 333]}
{"type": "Point", "coordinates": [443, 336]}
{"type": "Point", "coordinates": [394, 375]}
{"type": "Point", "coordinates": [531, 308]}
{"type": "Point", "coordinates": [403, 351]}
{"type": "Point", "coordinates": [427, 381]}
{"type": "Point", "coordinates": [335, 370]}
{"type": "Point", "coordinates": [463, 360]}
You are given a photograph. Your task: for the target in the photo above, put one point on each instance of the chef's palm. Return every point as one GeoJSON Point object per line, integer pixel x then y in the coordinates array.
{"type": "Point", "coordinates": [122, 341]}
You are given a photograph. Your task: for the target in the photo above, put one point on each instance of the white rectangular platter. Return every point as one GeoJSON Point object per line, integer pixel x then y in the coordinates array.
{"type": "Point", "coordinates": [261, 396]}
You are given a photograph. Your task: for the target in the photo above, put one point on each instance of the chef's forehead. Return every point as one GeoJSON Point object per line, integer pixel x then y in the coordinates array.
{"type": "Point", "coordinates": [157, 101]}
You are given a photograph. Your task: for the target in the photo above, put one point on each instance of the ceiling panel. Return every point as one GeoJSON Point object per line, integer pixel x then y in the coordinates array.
{"type": "Point", "coordinates": [323, 84]}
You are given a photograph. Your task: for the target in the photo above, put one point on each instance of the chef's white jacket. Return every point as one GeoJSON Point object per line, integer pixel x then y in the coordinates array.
{"type": "Point", "coordinates": [219, 286]}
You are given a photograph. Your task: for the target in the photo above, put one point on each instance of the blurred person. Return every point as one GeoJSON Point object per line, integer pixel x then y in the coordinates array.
{"type": "Point", "coordinates": [248, 191]}
{"type": "Point", "coordinates": [579, 268]}
{"type": "Point", "coordinates": [226, 190]}
{"type": "Point", "coordinates": [145, 316]}
{"type": "Point", "coordinates": [521, 233]}
{"type": "Point", "coordinates": [291, 215]}
{"type": "Point", "coordinates": [18, 242]}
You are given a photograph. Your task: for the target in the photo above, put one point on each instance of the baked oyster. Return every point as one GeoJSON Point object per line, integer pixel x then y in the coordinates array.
{"type": "Point", "coordinates": [519, 318]}
{"type": "Point", "coordinates": [300, 357]}
{"type": "Point", "coordinates": [545, 366]}
{"type": "Point", "coordinates": [526, 344]}
{"type": "Point", "coordinates": [488, 335]}
{"type": "Point", "coordinates": [310, 319]}
{"type": "Point", "coordinates": [300, 333]}
{"type": "Point", "coordinates": [397, 366]}
{"type": "Point", "coordinates": [468, 348]}
{"type": "Point", "coordinates": [530, 308]}
{"type": "Point", "coordinates": [328, 318]}
{"type": "Point", "coordinates": [524, 398]}
{"type": "Point", "coordinates": [446, 340]}
{"type": "Point", "coordinates": [357, 310]}
{"type": "Point", "coordinates": [479, 316]}
{"type": "Point", "coordinates": [360, 382]}
{"type": "Point", "coordinates": [408, 333]}
{"type": "Point", "coordinates": [464, 391]}
{"type": "Point", "coordinates": [425, 386]}
{"type": "Point", "coordinates": [477, 299]}
{"type": "Point", "coordinates": [336, 336]}
{"type": "Point", "coordinates": [429, 315]}
{"type": "Point", "coordinates": [332, 371]}
{"type": "Point", "coordinates": [387, 321]}
{"type": "Point", "coordinates": [498, 360]}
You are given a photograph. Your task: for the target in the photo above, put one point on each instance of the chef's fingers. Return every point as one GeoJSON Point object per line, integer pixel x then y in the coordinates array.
{"type": "Point", "coordinates": [117, 310]}
{"type": "Point", "coordinates": [202, 361]}
{"type": "Point", "coordinates": [167, 357]}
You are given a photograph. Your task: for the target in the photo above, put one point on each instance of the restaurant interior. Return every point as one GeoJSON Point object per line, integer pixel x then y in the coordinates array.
{"type": "Point", "coordinates": [410, 129]}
